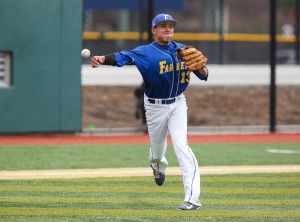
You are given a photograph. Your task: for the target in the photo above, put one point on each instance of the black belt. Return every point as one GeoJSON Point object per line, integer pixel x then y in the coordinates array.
{"type": "Point", "coordinates": [162, 101]}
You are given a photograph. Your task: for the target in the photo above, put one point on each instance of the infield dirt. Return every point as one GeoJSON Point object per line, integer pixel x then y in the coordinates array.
{"type": "Point", "coordinates": [143, 171]}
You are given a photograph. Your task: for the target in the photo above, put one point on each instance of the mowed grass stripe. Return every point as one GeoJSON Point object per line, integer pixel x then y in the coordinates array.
{"type": "Point", "coordinates": [31, 199]}
{"type": "Point", "coordinates": [150, 189]}
{"type": "Point", "coordinates": [156, 212]}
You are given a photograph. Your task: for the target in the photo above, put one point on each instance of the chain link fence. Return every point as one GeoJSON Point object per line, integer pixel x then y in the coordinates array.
{"type": "Point", "coordinates": [232, 34]}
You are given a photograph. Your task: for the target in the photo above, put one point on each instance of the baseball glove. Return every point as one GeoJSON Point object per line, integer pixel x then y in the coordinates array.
{"type": "Point", "coordinates": [194, 59]}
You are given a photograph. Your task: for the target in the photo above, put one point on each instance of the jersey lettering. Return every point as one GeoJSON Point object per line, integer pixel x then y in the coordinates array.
{"type": "Point", "coordinates": [185, 77]}
{"type": "Point", "coordinates": [164, 67]}
{"type": "Point", "coordinates": [167, 68]}
{"type": "Point", "coordinates": [182, 65]}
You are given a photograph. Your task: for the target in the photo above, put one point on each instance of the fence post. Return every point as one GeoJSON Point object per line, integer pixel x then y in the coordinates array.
{"type": "Point", "coordinates": [273, 65]}
{"type": "Point", "coordinates": [150, 17]}
{"type": "Point", "coordinates": [143, 21]}
{"type": "Point", "coordinates": [221, 32]}
{"type": "Point", "coordinates": [297, 32]}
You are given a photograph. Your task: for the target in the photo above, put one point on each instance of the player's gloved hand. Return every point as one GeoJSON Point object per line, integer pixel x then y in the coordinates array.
{"type": "Point", "coordinates": [194, 59]}
{"type": "Point", "coordinates": [97, 60]}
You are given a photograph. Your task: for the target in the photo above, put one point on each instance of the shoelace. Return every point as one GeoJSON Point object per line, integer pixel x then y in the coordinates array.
{"type": "Point", "coordinates": [157, 174]}
{"type": "Point", "coordinates": [185, 203]}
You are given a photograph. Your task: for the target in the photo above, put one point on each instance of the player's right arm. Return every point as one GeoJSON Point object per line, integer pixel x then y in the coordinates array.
{"type": "Point", "coordinates": [105, 60]}
{"type": "Point", "coordinates": [116, 59]}
{"type": "Point", "coordinates": [97, 60]}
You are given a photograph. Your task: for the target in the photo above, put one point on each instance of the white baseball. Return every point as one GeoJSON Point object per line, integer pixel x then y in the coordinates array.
{"type": "Point", "coordinates": [85, 53]}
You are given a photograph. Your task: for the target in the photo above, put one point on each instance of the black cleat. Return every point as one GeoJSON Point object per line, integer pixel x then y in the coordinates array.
{"type": "Point", "coordinates": [158, 177]}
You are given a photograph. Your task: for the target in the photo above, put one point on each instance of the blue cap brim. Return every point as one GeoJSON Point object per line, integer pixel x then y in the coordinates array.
{"type": "Point", "coordinates": [172, 22]}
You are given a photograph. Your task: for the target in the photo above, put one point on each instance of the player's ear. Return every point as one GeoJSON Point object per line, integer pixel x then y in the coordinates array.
{"type": "Point", "coordinates": [153, 31]}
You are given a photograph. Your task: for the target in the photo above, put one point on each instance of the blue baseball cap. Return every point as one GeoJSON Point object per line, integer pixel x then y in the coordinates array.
{"type": "Point", "coordinates": [163, 19]}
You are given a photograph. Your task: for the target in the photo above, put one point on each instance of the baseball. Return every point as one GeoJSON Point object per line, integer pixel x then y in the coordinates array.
{"type": "Point", "coordinates": [85, 53]}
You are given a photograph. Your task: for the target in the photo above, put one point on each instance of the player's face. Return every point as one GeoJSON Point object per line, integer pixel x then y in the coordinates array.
{"type": "Point", "coordinates": [163, 33]}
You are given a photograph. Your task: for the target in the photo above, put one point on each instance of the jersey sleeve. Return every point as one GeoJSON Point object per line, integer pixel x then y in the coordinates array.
{"type": "Point", "coordinates": [200, 76]}
{"type": "Point", "coordinates": [123, 59]}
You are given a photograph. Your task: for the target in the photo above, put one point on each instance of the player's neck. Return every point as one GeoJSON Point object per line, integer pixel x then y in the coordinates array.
{"type": "Point", "coordinates": [163, 42]}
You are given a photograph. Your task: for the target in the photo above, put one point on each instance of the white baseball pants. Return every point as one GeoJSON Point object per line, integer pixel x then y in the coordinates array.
{"type": "Point", "coordinates": [162, 118]}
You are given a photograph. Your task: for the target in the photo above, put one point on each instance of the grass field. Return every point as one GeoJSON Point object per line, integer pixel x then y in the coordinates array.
{"type": "Point", "coordinates": [40, 157]}
{"type": "Point", "coordinates": [230, 197]}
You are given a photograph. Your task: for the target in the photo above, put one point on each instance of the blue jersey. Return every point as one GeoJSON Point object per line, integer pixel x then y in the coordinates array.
{"type": "Point", "coordinates": [165, 76]}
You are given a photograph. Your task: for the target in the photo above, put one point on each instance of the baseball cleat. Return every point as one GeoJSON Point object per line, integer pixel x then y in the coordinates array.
{"type": "Point", "coordinates": [158, 177]}
{"type": "Point", "coordinates": [188, 206]}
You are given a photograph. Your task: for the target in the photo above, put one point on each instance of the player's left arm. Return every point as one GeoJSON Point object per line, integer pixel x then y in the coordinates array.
{"type": "Point", "coordinates": [204, 71]}
{"type": "Point", "coordinates": [194, 60]}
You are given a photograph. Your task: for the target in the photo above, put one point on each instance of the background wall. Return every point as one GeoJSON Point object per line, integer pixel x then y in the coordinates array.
{"type": "Point", "coordinates": [44, 38]}
{"type": "Point", "coordinates": [232, 34]}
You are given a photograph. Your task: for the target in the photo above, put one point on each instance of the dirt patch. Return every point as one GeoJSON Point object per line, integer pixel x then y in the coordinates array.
{"type": "Point", "coordinates": [115, 106]}
{"type": "Point", "coordinates": [144, 139]}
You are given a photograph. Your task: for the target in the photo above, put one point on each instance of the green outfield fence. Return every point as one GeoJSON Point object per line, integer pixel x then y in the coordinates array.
{"type": "Point", "coordinates": [40, 42]}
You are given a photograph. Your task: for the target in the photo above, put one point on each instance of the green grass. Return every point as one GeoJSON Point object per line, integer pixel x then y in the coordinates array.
{"type": "Point", "coordinates": [247, 197]}
{"type": "Point", "coordinates": [231, 197]}
{"type": "Point", "coordinates": [115, 156]}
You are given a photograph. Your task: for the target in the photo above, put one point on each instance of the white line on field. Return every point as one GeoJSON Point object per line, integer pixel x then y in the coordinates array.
{"type": "Point", "coordinates": [283, 151]}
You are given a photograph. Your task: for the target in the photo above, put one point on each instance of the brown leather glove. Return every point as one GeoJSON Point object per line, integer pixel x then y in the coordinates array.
{"type": "Point", "coordinates": [194, 59]}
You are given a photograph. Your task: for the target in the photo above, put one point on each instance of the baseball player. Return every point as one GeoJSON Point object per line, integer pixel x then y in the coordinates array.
{"type": "Point", "coordinates": [166, 67]}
